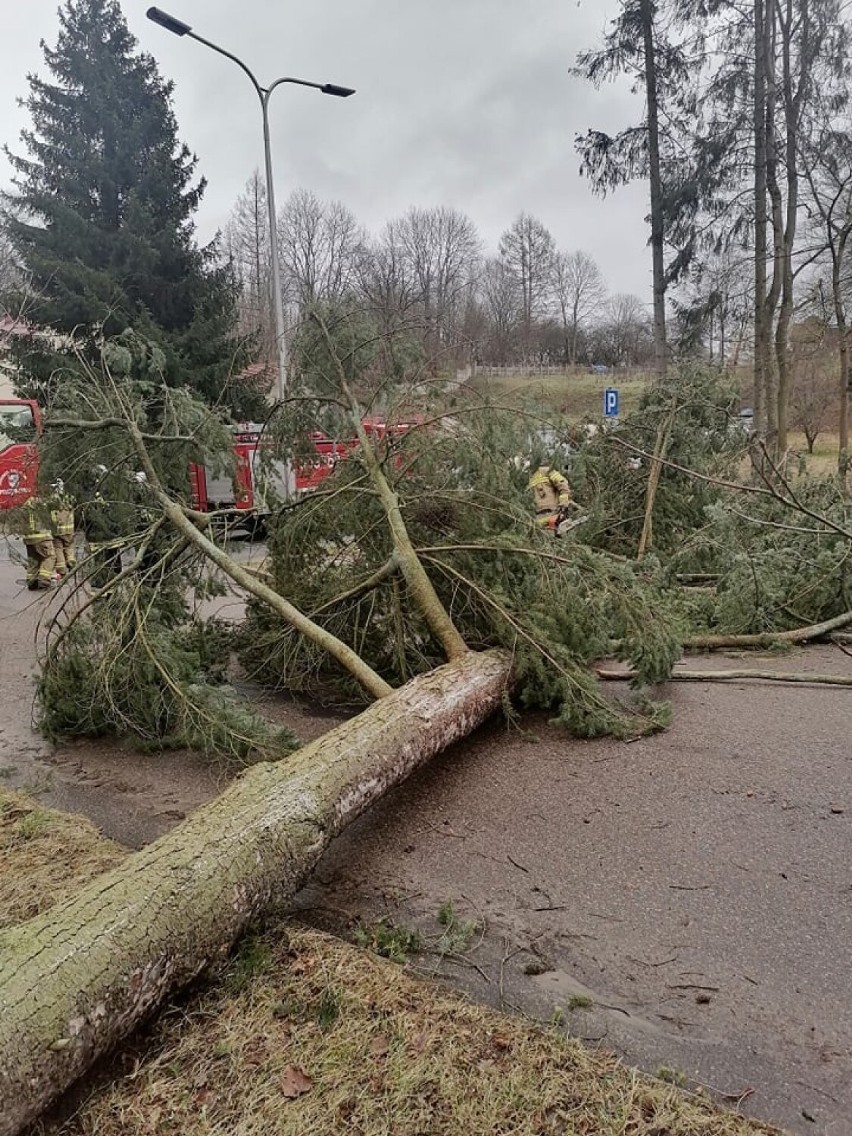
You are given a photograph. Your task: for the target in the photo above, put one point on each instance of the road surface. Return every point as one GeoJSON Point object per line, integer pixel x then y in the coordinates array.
{"type": "Point", "coordinates": [685, 899]}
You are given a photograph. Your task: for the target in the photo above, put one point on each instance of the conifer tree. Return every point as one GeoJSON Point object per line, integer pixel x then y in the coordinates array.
{"type": "Point", "coordinates": [102, 211]}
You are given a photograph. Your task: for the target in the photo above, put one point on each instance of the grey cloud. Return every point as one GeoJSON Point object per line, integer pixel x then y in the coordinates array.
{"type": "Point", "coordinates": [462, 102]}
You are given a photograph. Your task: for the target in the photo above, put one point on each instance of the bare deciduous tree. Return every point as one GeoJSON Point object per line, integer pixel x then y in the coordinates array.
{"type": "Point", "coordinates": [580, 293]}
{"type": "Point", "coordinates": [627, 334]}
{"type": "Point", "coordinates": [9, 268]}
{"type": "Point", "coordinates": [247, 246]}
{"type": "Point", "coordinates": [828, 165]}
{"type": "Point", "coordinates": [384, 280]}
{"type": "Point", "coordinates": [715, 310]}
{"type": "Point", "coordinates": [435, 253]}
{"type": "Point", "coordinates": [499, 292]}
{"type": "Point", "coordinates": [321, 244]}
{"type": "Point", "coordinates": [527, 251]}
{"type": "Point", "coordinates": [813, 390]}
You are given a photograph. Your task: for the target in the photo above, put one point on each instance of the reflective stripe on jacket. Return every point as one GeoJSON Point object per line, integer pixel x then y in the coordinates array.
{"type": "Point", "coordinates": [62, 520]}
{"type": "Point", "coordinates": [550, 489]}
{"type": "Point", "coordinates": [36, 517]}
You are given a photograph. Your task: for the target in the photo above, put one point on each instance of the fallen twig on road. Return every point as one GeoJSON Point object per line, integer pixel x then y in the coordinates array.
{"type": "Point", "coordinates": [767, 638]}
{"type": "Point", "coordinates": [619, 675]}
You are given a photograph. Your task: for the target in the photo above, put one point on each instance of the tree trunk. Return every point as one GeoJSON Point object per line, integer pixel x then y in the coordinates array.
{"type": "Point", "coordinates": [843, 352]}
{"type": "Point", "coordinates": [657, 233]}
{"type": "Point", "coordinates": [792, 95]}
{"type": "Point", "coordinates": [664, 431]}
{"type": "Point", "coordinates": [764, 639]}
{"type": "Point", "coordinates": [620, 675]}
{"type": "Point", "coordinates": [770, 379]}
{"type": "Point", "coordinates": [761, 318]}
{"type": "Point", "coordinates": [77, 980]}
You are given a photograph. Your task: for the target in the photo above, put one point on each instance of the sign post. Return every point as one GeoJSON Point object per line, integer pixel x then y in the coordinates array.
{"type": "Point", "coordinates": [610, 403]}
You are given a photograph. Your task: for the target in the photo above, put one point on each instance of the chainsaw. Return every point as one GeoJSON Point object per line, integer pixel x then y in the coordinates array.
{"type": "Point", "coordinates": [568, 518]}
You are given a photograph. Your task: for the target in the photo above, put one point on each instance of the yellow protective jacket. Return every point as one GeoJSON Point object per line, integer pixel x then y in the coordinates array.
{"type": "Point", "coordinates": [550, 489]}
{"type": "Point", "coordinates": [61, 515]}
{"type": "Point", "coordinates": [33, 521]}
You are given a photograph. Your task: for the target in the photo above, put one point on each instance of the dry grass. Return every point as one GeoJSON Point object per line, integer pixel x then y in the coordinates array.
{"type": "Point", "coordinates": [577, 394]}
{"type": "Point", "coordinates": [303, 1034]}
{"type": "Point", "coordinates": [370, 1050]}
{"type": "Point", "coordinates": [823, 461]}
{"type": "Point", "coordinates": [45, 856]}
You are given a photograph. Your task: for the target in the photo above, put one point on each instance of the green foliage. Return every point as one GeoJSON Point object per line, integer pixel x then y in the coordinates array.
{"type": "Point", "coordinates": [251, 959]}
{"type": "Point", "coordinates": [579, 1002]}
{"type": "Point", "coordinates": [699, 407]}
{"type": "Point", "coordinates": [328, 1010]}
{"type": "Point", "coordinates": [777, 568]}
{"type": "Point", "coordinates": [389, 940]}
{"type": "Point", "coordinates": [672, 1076]}
{"type": "Point", "coordinates": [140, 667]}
{"type": "Point", "coordinates": [457, 933]}
{"type": "Point", "coordinates": [557, 605]}
{"type": "Point", "coordinates": [130, 656]}
{"type": "Point", "coordinates": [610, 161]}
{"type": "Point", "coordinates": [101, 217]}
{"type": "Point", "coordinates": [127, 381]}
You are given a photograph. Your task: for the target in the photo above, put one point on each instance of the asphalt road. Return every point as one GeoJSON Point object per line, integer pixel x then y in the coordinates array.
{"type": "Point", "coordinates": [694, 887]}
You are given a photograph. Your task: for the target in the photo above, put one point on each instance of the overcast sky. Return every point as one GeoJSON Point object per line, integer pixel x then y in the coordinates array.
{"type": "Point", "coordinates": [466, 103]}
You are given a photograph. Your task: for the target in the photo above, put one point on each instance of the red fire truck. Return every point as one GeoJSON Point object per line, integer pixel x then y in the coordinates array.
{"type": "Point", "coordinates": [20, 425]}
{"type": "Point", "coordinates": [246, 495]}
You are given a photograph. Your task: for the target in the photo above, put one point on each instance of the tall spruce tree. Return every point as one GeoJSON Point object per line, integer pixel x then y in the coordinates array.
{"type": "Point", "coordinates": [658, 45]}
{"type": "Point", "coordinates": [102, 212]}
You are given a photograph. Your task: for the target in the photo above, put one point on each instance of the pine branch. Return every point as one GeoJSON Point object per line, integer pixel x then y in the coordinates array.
{"type": "Point", "coordinates": [420, 586]}
{"type": "Point", "coordinates": [732, 676]}
{"type": "Point", "coordinates": [768, 638]}
{"type": "Point", "coordinates": [770, 492]}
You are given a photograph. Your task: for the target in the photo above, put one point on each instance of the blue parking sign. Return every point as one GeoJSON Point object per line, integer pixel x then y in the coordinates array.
{"type": "Point", "coordinates": [610, 403]}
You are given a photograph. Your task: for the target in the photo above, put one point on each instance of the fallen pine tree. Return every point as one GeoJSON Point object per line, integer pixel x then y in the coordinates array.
{"type": "Point", "coordinates": [414, 555]}
{"type": "Point", "coordinates": [77, 980]}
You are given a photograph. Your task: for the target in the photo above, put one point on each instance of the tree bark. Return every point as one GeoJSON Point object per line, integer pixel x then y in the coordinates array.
{"type": "Point", "coordinates": [76, 981]}
{"type": "Point", "coordinates": [761, 223]}
{"type": "Point", "coordinates": [767, 638]}
{"type": "Point", "coordinates": [657, 223]}
{"type": "Point", "coordinates": [735, 676]}
{"type": "Point", "coordinates": [838, 256]}
{"type": "Point", "coordinates": [373, 683]}
{"type": "Point", "coordinates": [776, 203]}
{"type": "Point", "coordinates": [792, 95]}
{"type": "Point", "coordinates": [420, 586]}
{"type": "Point", "coordinates": [663, 434]}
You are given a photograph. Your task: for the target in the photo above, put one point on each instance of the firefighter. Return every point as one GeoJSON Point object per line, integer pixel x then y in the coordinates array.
{"type": "Point", "coordinates": [62, 527]}
{"type": "Point", "coordinates": [556, 510]}
{"type": "Point", "coordinates": [38, 538]}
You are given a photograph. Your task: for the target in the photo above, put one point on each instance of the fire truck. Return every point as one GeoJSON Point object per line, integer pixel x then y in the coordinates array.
{"type": "Point", "coordinates": [246, 497]}
{"type": "Point", "coordinates": [20, 425]}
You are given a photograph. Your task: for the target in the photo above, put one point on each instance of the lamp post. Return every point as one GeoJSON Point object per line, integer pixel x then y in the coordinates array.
{"type": "Point", "coordinates": [179, 28]}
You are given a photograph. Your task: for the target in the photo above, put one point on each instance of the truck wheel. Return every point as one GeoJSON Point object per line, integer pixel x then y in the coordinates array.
{"type": "Point", "coordinates": [256, 527]}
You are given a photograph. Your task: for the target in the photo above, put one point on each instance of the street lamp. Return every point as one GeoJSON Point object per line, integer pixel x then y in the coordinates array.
{"type": "Point", "coordinates": [179, 28]}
